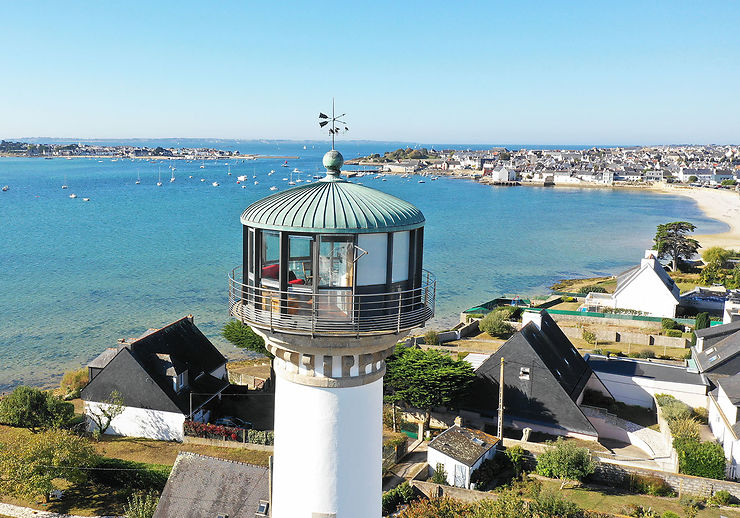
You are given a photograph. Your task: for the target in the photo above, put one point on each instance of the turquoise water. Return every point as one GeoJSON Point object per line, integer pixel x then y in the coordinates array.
{"type": "Point", "coordinates": [76, 276]}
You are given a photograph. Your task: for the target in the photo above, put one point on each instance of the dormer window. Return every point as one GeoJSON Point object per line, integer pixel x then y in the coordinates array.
{"type": "Point", "coordinates": [524, 373]}
{"type": "Point", "coordinates": [180, 381]}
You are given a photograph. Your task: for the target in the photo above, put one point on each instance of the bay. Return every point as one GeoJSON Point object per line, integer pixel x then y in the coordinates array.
{"type": "Point", "coordinates": [75, 276]}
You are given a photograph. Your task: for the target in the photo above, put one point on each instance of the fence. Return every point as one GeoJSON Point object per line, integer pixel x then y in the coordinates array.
{"type": "Point", "coordinates": [225, 434]}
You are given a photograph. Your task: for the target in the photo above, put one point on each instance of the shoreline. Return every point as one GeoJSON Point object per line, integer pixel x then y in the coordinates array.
{"type": "Point", "coordinates": [719, 204]}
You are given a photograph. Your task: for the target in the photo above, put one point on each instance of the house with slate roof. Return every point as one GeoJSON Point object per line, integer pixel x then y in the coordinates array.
{"type": "Point", "coordinates": [461, 451]}
{"type": "Point", "coordinates": [716, 356]}
{"type": "Point", "coordinates": [205, 487]}
{"type": "Point", "coordinates": [646, 287]}
{"type": "Point", "coordinates": [544, 382]}
{"type": "Point", "coordinates": [164, 376]}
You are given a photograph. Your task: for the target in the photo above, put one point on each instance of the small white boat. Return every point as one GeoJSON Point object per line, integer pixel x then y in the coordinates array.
{"type": "Point", "coordinates": [244, 186]}
{"type": "Point", "coordinates": [138, 178]}
{"type": "Point", "coordinates": [273, 188]}
{"type": "Point", "coordinates": [64, 185]}
{"type": "Point", "coordinates": [190, 176]}
{"type": "Point", "coordinates": [203, 165]}
{"type": "Point", "coordinates": [172, 179]}
{"type": "Point", "coordinates": [291, 183]}
{"type": "Point", "coordinates": [215, 184]}
{"type": "Point", "coordinates": [272, 171]}
{"type": "Point", "coordinates": [85, 199]}
{"type": "Point", "coordinates": [422, 181]}
{"type": "Point", "coordinates": [308, 181]}
{"type": "Point", "coordinates": [256, 182]}
{"type": "Point", "coordinates": [295, 170]}
{"type": "Point", "coordinates": [285, 179]}
{"type": "Point", "coordinates": [73, 195]}
{"type": "Point", "coordinates": [5, 188]}
{"type": "Point", "coordinates": [202, 179]}
{"type": "Point", "coordinates": [284, 164]}
{"type": "Point", "coordinates": [159, 182]}
{"type": "Point", "coordinates": [242, 178]}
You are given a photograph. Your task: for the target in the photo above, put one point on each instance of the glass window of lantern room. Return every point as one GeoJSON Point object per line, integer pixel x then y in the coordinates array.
{"type": "Point", "coordinates": [300, 261]}
{"type": "Point", "coordinates": [401, 253]}
{"type": "Point", "coordinates": [270, 258]}
{"type": "Point", "coordinates": [336, 261]}
{"type": "Point", "coordinates": [372, 261]}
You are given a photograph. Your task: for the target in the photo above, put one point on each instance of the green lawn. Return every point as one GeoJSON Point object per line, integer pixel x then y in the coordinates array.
{"type": "Point", "coordinates": [88, 499]}
{"type": "Point", "coordinates": [610, 500]}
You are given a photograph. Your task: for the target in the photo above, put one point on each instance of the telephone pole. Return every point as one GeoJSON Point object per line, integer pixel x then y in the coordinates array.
{"type": "Point", "coordinates": [500, 427]}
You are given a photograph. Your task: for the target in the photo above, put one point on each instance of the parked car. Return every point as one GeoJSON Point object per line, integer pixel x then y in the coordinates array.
{"type": "Point", "coordinates": [233, 422]}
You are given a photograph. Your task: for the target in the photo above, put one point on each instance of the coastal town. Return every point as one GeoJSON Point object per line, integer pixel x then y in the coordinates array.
{"type": "Point", "coordinates": [636, 165]}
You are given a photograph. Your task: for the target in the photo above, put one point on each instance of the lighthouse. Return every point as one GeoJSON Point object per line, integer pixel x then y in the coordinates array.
{"type": "Point", "coordinates": [331, 278]}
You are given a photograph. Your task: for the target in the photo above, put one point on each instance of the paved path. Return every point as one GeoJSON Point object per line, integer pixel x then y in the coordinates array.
{"type": "Point", "coordinates": [410, 465]}
{"type": "Point", "coordinates": [17, 511]}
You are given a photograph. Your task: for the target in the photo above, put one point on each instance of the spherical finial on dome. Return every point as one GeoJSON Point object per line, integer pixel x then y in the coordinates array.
{"type": "Point", "coordinates": [333, 161]}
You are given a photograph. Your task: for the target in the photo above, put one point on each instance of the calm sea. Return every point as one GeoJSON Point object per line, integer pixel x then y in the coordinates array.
{"type": "Point", "coordinates": [75, 276]}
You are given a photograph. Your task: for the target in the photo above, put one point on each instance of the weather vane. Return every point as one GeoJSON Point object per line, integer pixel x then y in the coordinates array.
{"type": "Point", "coordinates": [334, 120]}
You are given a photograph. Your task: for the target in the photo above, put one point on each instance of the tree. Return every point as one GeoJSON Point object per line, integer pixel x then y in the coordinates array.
{"type": "Point", "coordinates": [692, 178]}
{"type": "Point", "coordinates": [716, 254]}
{"type": "Point", "coordinates": [106, 411]}
{"type": "Point", "coordinates": [702, 321]}
{"type": "Point", "coordinates": [671, 241]}
{"type": "Point", "coordinates": [35, 409]}
{"type": "Point", "coordinates": [425, 379]}
{"type": "Point", "coordinates": [74, 381]}
{"type": "Point", "coordinates": [242, 336]}
{"type": "Point", "coordinates": [440, 474]}
{"type": "Point", "coordinates": [29, 468]}
{"type": "Point", "coordinates": [565, 461]}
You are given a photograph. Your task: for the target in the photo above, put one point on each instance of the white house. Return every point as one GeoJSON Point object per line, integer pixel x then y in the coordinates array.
{"type": "Point", "coordinates": [635, 382]}
{"type": "Point", "coordinates": [646, 288]}
{"type": "Point", "coordinates": [503, 174]}
{"type": "Point", "coordinates": [164, 377]}
{"type": "Point", "coordinates": [461, 451]}
{"type": "Point", "coordinates": [723, 420]}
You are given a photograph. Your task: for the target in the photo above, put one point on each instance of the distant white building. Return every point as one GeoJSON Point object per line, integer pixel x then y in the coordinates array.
{"type": "Point", "coordinates": [646, 287]}
{"type": "Point", "coordinates": [461, 451]}
{"type": "Point", "coordinates": [503, 174]}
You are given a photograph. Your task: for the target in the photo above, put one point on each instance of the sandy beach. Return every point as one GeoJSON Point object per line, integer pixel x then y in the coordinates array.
{"type": "Point", "coordinates": [720, 204]}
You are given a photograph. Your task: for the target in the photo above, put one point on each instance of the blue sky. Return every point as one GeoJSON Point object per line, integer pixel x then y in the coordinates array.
{"type": "Point", "coordinates": [454, 72]}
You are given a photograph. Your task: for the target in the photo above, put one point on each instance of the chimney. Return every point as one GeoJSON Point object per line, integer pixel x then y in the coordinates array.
{"type": "Point", "coordinates": [191, 318]}
{"type": "Point", "coordinates": [458, 421]}
{"type": "Point", "coordinates": [532, 316]}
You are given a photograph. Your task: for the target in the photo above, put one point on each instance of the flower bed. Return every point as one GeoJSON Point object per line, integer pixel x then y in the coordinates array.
{"type": "Point", "coordinates": [213, 431]}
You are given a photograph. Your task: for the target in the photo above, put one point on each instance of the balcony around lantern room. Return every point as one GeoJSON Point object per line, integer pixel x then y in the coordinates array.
{"type": "Point", "coordinates": [333, 312]}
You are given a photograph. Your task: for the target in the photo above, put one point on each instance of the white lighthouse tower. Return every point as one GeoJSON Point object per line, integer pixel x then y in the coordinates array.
{"type": "Point", "coordinates": [332, 275]}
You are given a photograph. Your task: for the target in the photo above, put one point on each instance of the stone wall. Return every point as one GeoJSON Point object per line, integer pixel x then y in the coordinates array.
{"type": "Point", "coordinates": [627, 337]}
{"type": "Point", "coordinates": [431, 490]}
{"type": "Point", "coordinates": [227, 444]}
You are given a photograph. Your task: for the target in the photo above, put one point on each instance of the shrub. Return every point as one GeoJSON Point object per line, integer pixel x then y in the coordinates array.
{"type": "Point", "coordinates": [702, 321]}
{"type": "Point", "coordinates": [242, 336]}
{"type": "Point", "coordinates": [129, 474]}
{"type": "Point", "coordinates": [672, 408]}
{"type": "Point", "coordinates": [431, 338]}
{"type": "Point", "coordinates": [440, 475]}
{"type": "Point", "coordinates": [638, 511]}
{"type": "Point", "coordinates": [669, 323]}
{"type": "Point", "coordinates": [565, 461]}
{"type": "Point", "coordinates": [685, 428]}
{"type": "Point", "coordinates": [721, 497]}
{"type": "Point", "coordinates": [701, 414]}
{"type": "Point", "coordinates": [401, 494]}
{"type": "Point", "coordinates": [669, 514]}
{"type": "Point", "coordinates": [591, 288]}
{"type": "Point", "coordinates": [691, 505]}
{"type": "Point", "coordinates": [588, 336]}
{"type": "Point", "coordinates": [73, 382]}
{"type": "Point", "coordinates": [516, 457]}
{"type": "Point", "coordinates": [551, 504]}
{"type": "Point", "coordinates": [673, 333]}
{"type": "Point", "coordinates": [29, 407]}
{"type": "Point", "coordinates": [646, 353]}
{"type": "Point", "coordinates": [495, 324]}
{"type": "Point", "coordinates": [716, 254]}
{"type": "Point", "coordinates": [705, 459]}
{"type": "Point", "coordinates": [141, 505]}
{"type": "Point", "coordinates": [648, 485]}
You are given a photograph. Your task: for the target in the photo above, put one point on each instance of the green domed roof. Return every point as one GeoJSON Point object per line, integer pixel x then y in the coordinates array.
{"type": "Point", "coordinates": [333, 205]}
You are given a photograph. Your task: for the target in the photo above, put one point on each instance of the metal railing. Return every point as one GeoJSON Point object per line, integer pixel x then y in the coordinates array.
{"type": "Point", "coordinates": [331, 312]}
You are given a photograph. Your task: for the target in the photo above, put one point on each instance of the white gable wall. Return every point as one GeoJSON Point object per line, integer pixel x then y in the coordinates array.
{"type": "Point", "coordinates": [725, 436]}
{"type": "Point", "coordinates": [434, 457]}
{"type": "Point", "coordinates": [647, 293]}
{"type": "Point", "coordinates": [637, 390]}
{"type": "Point", "coordinates": [141, 422]}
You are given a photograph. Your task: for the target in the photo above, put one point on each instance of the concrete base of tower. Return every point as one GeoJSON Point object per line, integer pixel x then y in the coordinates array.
{"type": "Point", "coordinates": [328, 451]}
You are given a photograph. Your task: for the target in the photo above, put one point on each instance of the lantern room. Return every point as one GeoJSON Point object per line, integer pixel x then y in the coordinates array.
{"type": "Point", "coordinates": [332, 257]}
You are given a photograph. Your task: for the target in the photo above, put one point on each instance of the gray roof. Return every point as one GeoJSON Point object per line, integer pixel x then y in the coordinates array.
{"type": "Point", "coordinates": [205, 487]}
{"type": "Point", "coordinates": [101, 360]}
{"type": "Point", "coordinates": [333, 205]}
{"type": "Point", "coordinates": [718, 331]}
{"type": "Point", "coordinates": [557, 376]}
{"type": "Point", "coordinates": [719, 351]}
{"type": "Point", "coordinates": [464, 444]}
{"type": "Point", "coordinates": [644, 369]}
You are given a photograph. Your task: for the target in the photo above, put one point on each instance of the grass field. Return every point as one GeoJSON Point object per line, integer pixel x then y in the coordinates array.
{"type": "Point", "coordinates": [88, 499]}
{"type": "Point", "coordinates": [611, 500]}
